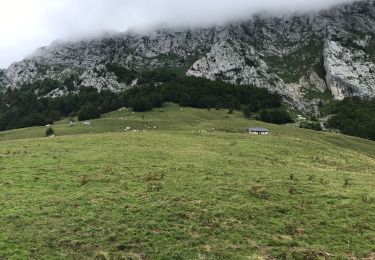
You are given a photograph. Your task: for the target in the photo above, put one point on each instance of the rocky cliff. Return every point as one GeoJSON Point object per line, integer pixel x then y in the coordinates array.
{"type": "Point", "coordinates": [304, 57]}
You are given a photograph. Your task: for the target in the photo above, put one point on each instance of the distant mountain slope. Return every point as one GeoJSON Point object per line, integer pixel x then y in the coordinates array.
{"type": "Point", "coordinates": [300, 56]}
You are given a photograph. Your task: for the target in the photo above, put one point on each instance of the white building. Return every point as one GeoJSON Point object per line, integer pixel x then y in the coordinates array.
{"type": "Point", "coordinates": [258, 131]}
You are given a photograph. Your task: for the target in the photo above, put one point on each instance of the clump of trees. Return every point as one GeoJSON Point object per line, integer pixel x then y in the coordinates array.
{"type": "Point", "coordinates": [22, 107]}
{"type": "Point", "coordinates": [275, 116]}
{"type": "Point", "coordinates": [123, 75]}
{"type": "Point", "coordinates": [311, 125]}
{"type": "Point", "coordinates": [157, 87]}
{"type": "Point", "coordinates": [354, 116]}
{"type": "Point", "coordinates": [88, 112]}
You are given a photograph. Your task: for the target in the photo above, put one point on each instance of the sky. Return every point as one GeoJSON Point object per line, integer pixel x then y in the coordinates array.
{"type": "Point", "coordinates": [28, 24]}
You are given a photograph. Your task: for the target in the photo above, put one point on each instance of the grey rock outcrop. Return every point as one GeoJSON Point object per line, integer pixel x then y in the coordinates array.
{"type": "Point", "coordinates": [295, 55]}
{"type": "Point", "coordinates": [349, 71]}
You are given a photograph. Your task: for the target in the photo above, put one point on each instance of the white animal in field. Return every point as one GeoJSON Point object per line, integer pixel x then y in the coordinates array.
{"type": "Point", "coordinates": [87, 124]}
{"type": "Point", "coordinates": [48, 125]}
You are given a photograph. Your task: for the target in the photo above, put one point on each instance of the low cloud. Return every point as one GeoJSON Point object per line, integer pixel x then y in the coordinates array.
{"type": "Point", "coordinates": [26, 25]}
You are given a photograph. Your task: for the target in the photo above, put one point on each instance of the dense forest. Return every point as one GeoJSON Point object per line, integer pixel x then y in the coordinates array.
{"type": "Point", "coordinates": [31, 106]}
{"type": "Point", "coordinates": [354, 116]}
{"type": "Point", "coordinates": [24, 107]}
{"type": "Point", "coordinates": [157, 87]}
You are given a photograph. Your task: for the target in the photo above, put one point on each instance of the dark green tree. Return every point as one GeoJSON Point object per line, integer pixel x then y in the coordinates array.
{"type": "Point", "coordinates": [50, 131]}
{"type": "Point", "coordinates": [275, 116]}
{"type": "Point", "coordinates": [88, 112]}
{"type": "Point", "coordinates": [141, 104]}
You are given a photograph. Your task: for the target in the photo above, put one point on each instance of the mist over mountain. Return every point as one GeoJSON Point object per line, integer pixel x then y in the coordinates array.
{"type": "Point", "coordinates": [306, 57]}
{"type": "Point", "coordinates": [31, 24]}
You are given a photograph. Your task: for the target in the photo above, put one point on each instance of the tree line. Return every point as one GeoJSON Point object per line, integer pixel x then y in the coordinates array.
{"type": "Point", "coordinates": [354, 116]}
{"type": "Point", "coordinates": [24, 107]}
{"type": "Point", "coordinates": [157, 87]}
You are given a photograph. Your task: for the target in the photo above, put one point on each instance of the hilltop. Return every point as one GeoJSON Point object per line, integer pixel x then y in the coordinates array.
{"type": "Point", "coordinates": [188, 184]}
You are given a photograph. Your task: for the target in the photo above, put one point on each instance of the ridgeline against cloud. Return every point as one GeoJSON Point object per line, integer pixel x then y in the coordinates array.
{"type": "Point", "coordinates": [27, 24]}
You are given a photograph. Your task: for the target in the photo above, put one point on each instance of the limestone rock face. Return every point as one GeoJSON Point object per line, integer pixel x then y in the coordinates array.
{"type": "Point", "coordinates": [297, 55]}
{"type": "Point", "coordinates": [234, 62]}
{"type": "Point", "coordinates": [349, 71]}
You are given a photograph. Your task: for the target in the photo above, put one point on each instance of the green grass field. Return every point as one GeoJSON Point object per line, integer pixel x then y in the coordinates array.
{"type": "Point", "coordinates": [177, 192]}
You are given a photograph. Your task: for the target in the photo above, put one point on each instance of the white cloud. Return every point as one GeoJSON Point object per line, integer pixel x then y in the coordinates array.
{"type": "Point", "coordinates": [28, 24]}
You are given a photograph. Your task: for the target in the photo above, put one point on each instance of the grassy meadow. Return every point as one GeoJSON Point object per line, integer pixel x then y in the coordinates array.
{"type": "Point", "coordinates": [193, 185]}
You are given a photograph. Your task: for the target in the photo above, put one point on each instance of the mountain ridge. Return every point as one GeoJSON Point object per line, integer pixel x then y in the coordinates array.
{"type": "Point", "coordinates": [298, 56]}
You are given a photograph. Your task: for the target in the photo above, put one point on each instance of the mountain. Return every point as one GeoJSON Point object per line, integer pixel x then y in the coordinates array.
{"type": "Point", "coordinates": [306, 57]}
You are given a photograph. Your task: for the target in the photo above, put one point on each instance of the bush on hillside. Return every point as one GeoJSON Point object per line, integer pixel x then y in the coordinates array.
{"type": "Point", "coordinates": [311, 125]}
{"type": "Point", "coordinates": [50, 132]}
{"type": "Point", "coordinates": [275, 116]}
{"type": "Point", "coordinates": [354, 116]}
{"type": "Point", "coordinates": [88, 112]}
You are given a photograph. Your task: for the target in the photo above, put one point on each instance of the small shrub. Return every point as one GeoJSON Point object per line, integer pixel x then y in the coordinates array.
{"type": "Point", "coordinates": [50, 132]}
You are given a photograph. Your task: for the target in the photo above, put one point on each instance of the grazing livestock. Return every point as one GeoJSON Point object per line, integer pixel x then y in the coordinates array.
{"type": "Point", "coordinates": [87, 124]}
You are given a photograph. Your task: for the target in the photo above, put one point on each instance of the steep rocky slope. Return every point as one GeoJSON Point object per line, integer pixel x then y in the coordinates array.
{"type": "Point", "coordinates": [301, 56]}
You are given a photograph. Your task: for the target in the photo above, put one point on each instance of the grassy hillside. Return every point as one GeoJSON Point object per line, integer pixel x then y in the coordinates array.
{"type": "Point", "coordinates": [169, 118]}
{"type": "Point", "coordinates": [175, 192]}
